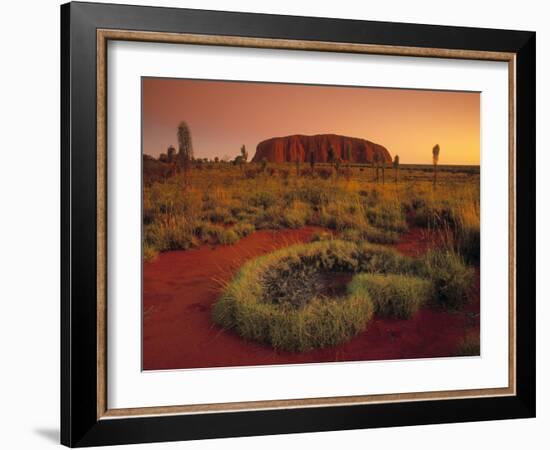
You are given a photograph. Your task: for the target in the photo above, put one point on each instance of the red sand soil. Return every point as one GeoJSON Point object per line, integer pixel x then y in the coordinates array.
{"type": "Point", "coordinates": [180, 288]}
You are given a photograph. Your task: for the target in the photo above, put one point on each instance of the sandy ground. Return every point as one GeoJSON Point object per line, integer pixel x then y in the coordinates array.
{"type": "Point", "coordinates": [180, 287]}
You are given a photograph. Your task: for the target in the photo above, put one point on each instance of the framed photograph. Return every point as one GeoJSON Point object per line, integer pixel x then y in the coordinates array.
{"type": "Point", "coordinates": [276, 224]}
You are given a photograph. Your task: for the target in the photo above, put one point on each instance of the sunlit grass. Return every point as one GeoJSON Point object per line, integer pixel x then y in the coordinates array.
{"type": "Point", "coordinates": [177, 216]}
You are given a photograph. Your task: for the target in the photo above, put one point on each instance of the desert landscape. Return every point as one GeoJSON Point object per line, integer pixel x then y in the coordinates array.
{"type": "Point", "coordinates": [313, 248]}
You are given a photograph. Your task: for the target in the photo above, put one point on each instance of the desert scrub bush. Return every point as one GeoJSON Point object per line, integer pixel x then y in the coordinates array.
{"type": "Point", "coordinates": [267, 218]}
{"type": "Point", "coordinates": [170, 216]}
{"type": "Point", "coordinates": [370, 234]}
{"type": "Point", "coordinates": [387, 216]}
{"type": "Point", "coordinates": [170, 233]}
{"type": "Point", "coordinates": [379, 236]}
{"type": "Point", "coordinates": [217, 234]}
{"type": "Point", "coordinates": [397, 296]}
{"type": "Point", "coordinates": [170, 198]}
{"type": "Point", "coordinates": [451, 278]}
{"type": "Point", "coordinates": [469, 346]}
{"type": "Point", "coordinates": [149, 252]}
{"type": "Point", "coordinates": [220, 215]}
{"type": "Point", "coordinates": [227, 237]}
{"type": "Point", "coordinates": [456, 217]}
{"type": "Point", "coordinates": [320, 236]}
{"type": "Point", "coordinates": [337, 217]}
{"type": "Point", "coordinates": [370, 197]}
{"type": "Point", "coordinates": [296, 215]}
{"type": "Point", "coordinates": [244, 228]}
{"type": "Point", "coordinates": [313, 192]}
{"type": "Point", "coordinates": [263, 199]}
{"type": "Point", "coordinates": [434, 215]}
{"type": "Point", "coordinates": [208, 232]}
{"type": "Point", "coordinates": [459, 222]}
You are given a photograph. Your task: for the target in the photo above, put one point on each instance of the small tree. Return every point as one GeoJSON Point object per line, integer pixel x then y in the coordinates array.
{"type": "Point", "coordinates": [216, 159]}
{"type": "Point", "coordinates": [435, 160]}
{"type": "Point", "coordinates": [312, 160]}
{"type": "Point", "coordinates": [244, 154]}
{"type": "Point", "coordinates": [396, 167]}
{"type": "Point", "coordinates": [185, 154]}
{"type": "Point", "coordinates": [171, 153]}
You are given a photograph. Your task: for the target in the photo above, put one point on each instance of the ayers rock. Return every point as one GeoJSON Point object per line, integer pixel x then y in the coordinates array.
{"type": "Point", "coordinates": [298, 147]}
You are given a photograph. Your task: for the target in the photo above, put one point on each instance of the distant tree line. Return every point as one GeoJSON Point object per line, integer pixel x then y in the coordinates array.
{"type": "Point", "coordinates": [182, 158]}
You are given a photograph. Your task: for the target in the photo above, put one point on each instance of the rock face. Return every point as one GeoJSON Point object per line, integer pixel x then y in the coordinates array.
{"type": "Point", "coordinates": [299, 147]}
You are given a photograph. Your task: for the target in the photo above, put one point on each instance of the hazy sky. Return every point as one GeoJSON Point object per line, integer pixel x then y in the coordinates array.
{"type": "Point", "coordinates": [224, 115]}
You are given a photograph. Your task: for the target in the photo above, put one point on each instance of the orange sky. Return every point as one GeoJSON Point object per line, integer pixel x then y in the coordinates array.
{"type": "Point", "coordinates": [224, 115]}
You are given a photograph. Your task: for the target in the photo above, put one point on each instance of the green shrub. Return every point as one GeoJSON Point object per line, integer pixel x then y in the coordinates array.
{"type": "Point", "coordinates": [339, 217]}
{"type": "Point", "coordinates": [321, 236]}
{"type": "Point", "coordinates": [268, 218]}
{"type": "Point", "coordinates": [392, 295]}
{"type": "Point", "coordinates": [220, 215]}
{"type": "Point", "coordinates": [370, 234]}
{"type": "Point", "coordinates": [313, 193]}
{"type": "Point", "coordinates": [451, 278]}
{"type": "Point", "coordinates": [149, 252]}
{"type": "Point", "coordinates": [379, 236]}
{"type": "Point", "coordinates": [217, 234]}
{"type": "Point", "coordinates": [170, 234]}
{"type": "Point", "coordinates": [263, 199]}
{"type": "Point", "coordinates": [244, 228]}
{"type": "Point", "coordinates": [208, 231]}
{"type": "Point", "coordinates": [228, 237]}
{"type": "Point", "coordinates": [387, 216]}
{"type": "Point", "coordinates": [296, 215]}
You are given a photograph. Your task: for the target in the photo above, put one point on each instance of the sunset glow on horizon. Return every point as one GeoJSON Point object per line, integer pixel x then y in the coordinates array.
{"type": "Point", "coordinates": [224, 115]}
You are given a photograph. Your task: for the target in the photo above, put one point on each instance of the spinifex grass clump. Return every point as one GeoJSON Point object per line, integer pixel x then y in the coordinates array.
{"type": "Point", "coordinates": [309, 319]}
{"type": "Point", "coordinates": [398, 296]}
{"type": "Point", "coordinates": [456, 218]}
{"type": "Point", "coordinates": [451, 278]}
